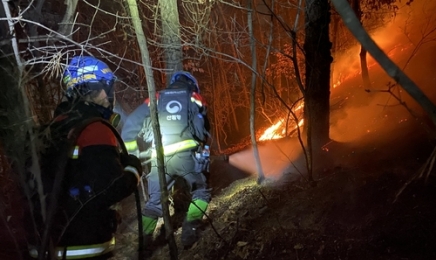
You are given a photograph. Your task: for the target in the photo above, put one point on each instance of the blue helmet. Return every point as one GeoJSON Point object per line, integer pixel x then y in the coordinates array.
{"type": "Point", "coordinates": [184, 74]}
{"type": "Point", "coordinates": [86, 69]}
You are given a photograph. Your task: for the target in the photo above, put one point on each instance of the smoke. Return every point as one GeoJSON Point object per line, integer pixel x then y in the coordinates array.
{"type": "Point", "coordinates": [410, 41]}
{"type": "Point", "coordinates": [358, 114]}
{"type": "Point", "coordinates": [276, 156]}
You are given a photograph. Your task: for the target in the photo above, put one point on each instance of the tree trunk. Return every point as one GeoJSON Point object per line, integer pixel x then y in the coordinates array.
{"type": "Point", "coordinates": [244, 99]}
{"type": "Point", "coordinates": [171, 36]}
{"type": "Point", "coordinates": [145, 56]}
{"type": "Point", "coordinates": [66, 26]}
{"type": "Point", "coordinates": [334, 33]}
{"type": "Point", "coordinates": [318, 59]}
{"type": "Point", "coordinates": [260, 174]}
{"type": "Point", "coordinates": [362, 55]}
{"type": "Point", "coordinates": [364, 68]}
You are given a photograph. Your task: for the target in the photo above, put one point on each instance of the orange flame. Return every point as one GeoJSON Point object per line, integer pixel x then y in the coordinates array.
{"type": "Point", "coordinates": [277, 131]}
{"type": "Point", "coordinates": [272, 132]}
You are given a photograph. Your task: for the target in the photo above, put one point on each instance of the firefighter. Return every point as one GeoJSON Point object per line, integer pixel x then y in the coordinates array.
{"type": "Point", "coordinates": [184, 128]}
{"type": "Point", "coordinates": [96, 176]}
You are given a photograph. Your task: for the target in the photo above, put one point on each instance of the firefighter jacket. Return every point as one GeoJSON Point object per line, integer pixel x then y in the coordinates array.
{"type": "Point", "coordinates": [136, 126]}
{"type": "Point", "coordinates": [94, 181]}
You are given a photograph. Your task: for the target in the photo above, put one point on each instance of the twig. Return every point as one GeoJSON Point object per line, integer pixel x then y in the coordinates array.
{"type": "Point", "coordinates": [427, 167]}
{"type": "Point", "coordinates": [14, 38]}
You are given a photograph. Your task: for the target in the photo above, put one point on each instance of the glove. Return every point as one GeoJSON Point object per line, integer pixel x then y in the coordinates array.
{"type": "Point", "coordinates": [131, 164]}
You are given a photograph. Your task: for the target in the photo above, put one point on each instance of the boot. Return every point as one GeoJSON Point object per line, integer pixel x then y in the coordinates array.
{"type": "Point", "coordinates": [192, 222]}
{"type": "Point", "coordinates": [148, 226]}
{"type": "Point", "coordinates": [147, 250]}
{"type": "Point", "coordinates": [190, 230]}
{"type": "Point", "coordinates": [148, 242]}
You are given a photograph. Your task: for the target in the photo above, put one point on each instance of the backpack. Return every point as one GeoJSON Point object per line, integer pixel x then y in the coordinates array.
{"type": "Point", "coordinates": [55, 150]}
{"type": "Point", "coordinates": [56, 167]}
{"type": "Point", "coordinates": [179, 117]}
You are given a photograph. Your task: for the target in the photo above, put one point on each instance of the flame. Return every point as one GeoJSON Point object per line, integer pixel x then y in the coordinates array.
{"type": "Point", "coordinates": [271, 132]}
{"type": "Point", "coordinates": [349, 67]}
{"type": "Point", "coordinates": [276, 131]}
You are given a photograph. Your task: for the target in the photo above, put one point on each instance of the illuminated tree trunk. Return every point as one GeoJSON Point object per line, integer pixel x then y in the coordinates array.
{"type": "Point", "coordinates": [362, 55]}
{"type": "Point", "coordinates": [66, 26]}
{"type": "Point", "coordinates": [229, 85]}
{"type": "Point", "coordinates": [145, 56]}
{"type": "Point", "coordinates": [318, 59]}
{"type": "Point", "coordinates": [215, 119]}
{"type": "Point", "coordinates": [171, 36]}
{"type": "Point", "coordinates": [245, 99]}
{"type": "Point", "coordinates": [335, 49]}
{"type": "Point", "coordinates": [219, 89]}
{"type": "Point", "coordinates": [260, 174]}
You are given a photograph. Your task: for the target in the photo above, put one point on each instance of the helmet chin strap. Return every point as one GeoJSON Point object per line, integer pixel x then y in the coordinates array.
{"type": "Point", "coordinates": [104, 104]}
{"type": "Point", "coordinates": [108, 114]}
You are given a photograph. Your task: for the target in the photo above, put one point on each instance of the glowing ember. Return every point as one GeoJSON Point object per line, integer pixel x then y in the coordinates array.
{"type": "Point", "coordinates": [337, 84]}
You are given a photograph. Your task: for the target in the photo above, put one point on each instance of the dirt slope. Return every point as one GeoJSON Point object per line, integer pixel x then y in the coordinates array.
{"type": "Point", "coordinates": [353, 212]}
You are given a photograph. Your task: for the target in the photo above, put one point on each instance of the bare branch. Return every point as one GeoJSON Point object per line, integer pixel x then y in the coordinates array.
{"type": "Point", "coordinates": [12, 32]}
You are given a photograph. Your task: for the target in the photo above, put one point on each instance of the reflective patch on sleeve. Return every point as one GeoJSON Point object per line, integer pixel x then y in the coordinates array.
{"type": "Point", "coordinates": [131, 145]}
{"type": "Point", "coordinates": [75, 152]}
{"type": "Point", "coordinates": [198, 99]}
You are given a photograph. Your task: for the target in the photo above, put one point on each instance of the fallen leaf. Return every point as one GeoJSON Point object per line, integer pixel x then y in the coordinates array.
{"type": "Point", "coordinates": [241, 243]}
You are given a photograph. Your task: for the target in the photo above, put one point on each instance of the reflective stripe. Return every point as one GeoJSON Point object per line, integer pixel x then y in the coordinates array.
{"type": "Point", "coordinates": [197, 101]}
{"type": "Point", "coordinates": [131, 145]}
{"type": "Point", "coordinates": [75, 153]}
{"type": "Point", "coordinates": [177, 147]}
{"type": "Point", "coordinates": [79, 252]}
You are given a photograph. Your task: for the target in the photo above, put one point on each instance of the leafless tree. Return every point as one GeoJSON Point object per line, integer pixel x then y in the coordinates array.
{"type": "Point", "coordinates": [142, 42]}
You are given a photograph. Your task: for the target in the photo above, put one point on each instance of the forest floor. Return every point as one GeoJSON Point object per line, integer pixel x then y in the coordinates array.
{"type": "Point", "coordinates": [373, 205]}
{"type": "Point", "coordinates": [373, 198]}
{"type": "Point", "coordinates": [369, 204]}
